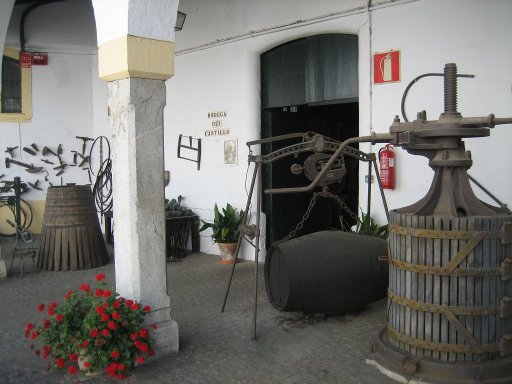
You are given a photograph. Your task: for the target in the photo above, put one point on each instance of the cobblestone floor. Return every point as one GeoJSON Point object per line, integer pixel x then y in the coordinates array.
{"type": "Point", "coordinates": [214, 347]}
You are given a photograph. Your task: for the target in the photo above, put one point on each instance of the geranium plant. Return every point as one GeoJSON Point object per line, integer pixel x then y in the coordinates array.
{"type": "Point", "coordinates": [93, 330]}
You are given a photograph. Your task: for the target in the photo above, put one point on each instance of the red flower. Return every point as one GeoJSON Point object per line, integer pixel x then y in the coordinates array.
{"type": "Point", "coordinates": [99, 292]}
{"type": "Point", "coordinates": [37, 352]}
{"type": "Point", "coordinates": [134, 307]}
{"type": "Point", "coordinates": [100, 277]}
{"type": "Point", "coordinates": [143, 332]}
{"type": "Point", "coordinates": [33, 335]}
{"type": "Point", "coordinates": [151, 352]}
{"type": "Point", "coordinates": [140, 359]}
{"type": "Point", "coordinates": [59, 318]}
{"type": "Point", "coordinates": [129, 303]}
{"type": "Point", "coordinates": [147, 308]}
{"type": "Point", "coordinates": [94, 332]}
{"type": "Point", "coordinates": [116, 304]}
{"type": "Point", "coordinates": [112, 369]}
{"type": "Point", "coordinates": [85, 287]}
{"type": "Point", "coordinates": [72, 369]}
{"type": "Point", "coordinates": [107, 293]}
{"type": "Point", "coordinates": [105, 317]}
{"type": "Point", "coordinates": [73, 357]}
{"type": "Point", "coordinates": [115, 354]}
{"type": "Point", "coordinates": [112, 325]}
{"type": "Point", "coordinates": [40, 307]}
{"type": "Point", "coordinates": [100, 309]}
{"type": "Point", "coordinates": [154, 326]}
{"type": "Point", "coordinates": [143, 347]}
{"type": "Point", "coordinates": [51, 311]}
{"type": "Point", "coordinates": [105, 332]}
{"type": "Point", "coordinates": [46, 324]}
{"type": "Point", "coordinates": [134, 335]}
{"type": "Point", "coordinates": [87, 365]}
{"type": "Point", "coordinates": [121, 367]}
{"type": "Point", "coordinates": [60, 362]}
{"type": "Point", "coordinates": [85, 344]}
{"type": "Point", "coordinates": [29, 326]}
{"type": "Point", "coordinates": [116, 316]}
{"type": "Point", "coordinates": [68, 295]}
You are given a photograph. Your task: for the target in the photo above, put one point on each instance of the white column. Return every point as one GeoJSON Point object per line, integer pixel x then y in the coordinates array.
{"type": "Point", "coordinates": [136, 106]}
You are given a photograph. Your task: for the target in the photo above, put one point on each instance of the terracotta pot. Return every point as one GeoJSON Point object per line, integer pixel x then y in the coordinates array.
{"type": "Point", "coordinates": [227, 252]}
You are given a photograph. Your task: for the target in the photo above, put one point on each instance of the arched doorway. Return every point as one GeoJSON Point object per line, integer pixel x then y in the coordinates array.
{"type": "Point", "coordinates": [309, 84]}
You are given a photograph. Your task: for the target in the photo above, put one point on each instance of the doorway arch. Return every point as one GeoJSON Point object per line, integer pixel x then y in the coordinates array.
{"type": "Point", "coordinates": [309, 84]}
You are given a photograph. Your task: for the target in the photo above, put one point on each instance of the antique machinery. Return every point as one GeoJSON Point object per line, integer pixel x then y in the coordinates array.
{"type": "Point", "coordinates": [450, 260]}
{"type": "Point", "coordinates": [450, 255]}
{"type": "Point", "coordinates": [324, 166]}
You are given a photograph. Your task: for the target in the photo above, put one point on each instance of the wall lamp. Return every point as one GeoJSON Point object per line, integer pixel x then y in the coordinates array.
{"type": "Point", "coordinates": [180, 20]}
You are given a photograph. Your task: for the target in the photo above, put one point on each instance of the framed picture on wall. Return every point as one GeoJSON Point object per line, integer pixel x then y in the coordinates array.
{"type": "Point", "coordinates": [230, 152]}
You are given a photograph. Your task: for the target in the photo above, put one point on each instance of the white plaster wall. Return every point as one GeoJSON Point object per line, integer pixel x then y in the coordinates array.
{"type": "Point", "coordinates": [133, 18]}
{"type": "Point", "coordinates": [477, 37]}
{"type": "Point", "coordinates": [214, 72]}
{"type": "Point", "coordinates": [68, 98]}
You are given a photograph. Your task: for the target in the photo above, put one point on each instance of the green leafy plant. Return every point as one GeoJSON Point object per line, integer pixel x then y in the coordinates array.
{"type": "Point", "coordinates": [366, 225]}
{"type": "Point", "coordinates": [94, 328]}
{"type": "Point", "coordinates": [173, 208]}
{"type": "Point", "coordinates": [225, 226]}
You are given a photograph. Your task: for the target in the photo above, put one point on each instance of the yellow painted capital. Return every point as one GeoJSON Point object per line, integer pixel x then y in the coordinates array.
{"type": "Point", "coordinates": [134, 56]}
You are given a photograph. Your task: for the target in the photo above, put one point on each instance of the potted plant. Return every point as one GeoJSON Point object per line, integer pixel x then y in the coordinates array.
{"type": "Point", "coordinates": [225, 231]}
{"type": "Point", "coordinates": [365, 225]}
{"type": "Point", "coordinates": [179, 221]}
{"type": "Point", "coordinates": [93, 330]}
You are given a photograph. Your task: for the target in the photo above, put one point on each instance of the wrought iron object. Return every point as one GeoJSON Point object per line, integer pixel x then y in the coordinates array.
{"type": "Point", "coordinates": [62, 166]}
{"type": "Point", "coordinates": [47, 151]}
{"type": "Point", "coordinates": [318, 170]}
{"type": "Point", "coordinates": [85, 160]}
{"type": "Point", "coordinates": [28, 167]}
{"type": "Point", "coordinates": [47, 161]}
{"type": "Point", "coordinates": [190, 147]}
{"type": "Point", "coordinates": [30, 151]}
{"type": "Point", "coordinates": [34, 147]}
{"type": "Point", "coordinates": [84, 144]}
{"type": "Point", "coordinates": [446, 251]}
{"type": "Point", "coordinates": [35, 185]}
{"type": "Point", "coordinates": [10, 151]}
{"type": "Point", "coordinates": [75, 157]}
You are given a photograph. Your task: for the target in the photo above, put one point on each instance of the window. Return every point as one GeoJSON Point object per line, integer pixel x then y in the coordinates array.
{"type": "Point", "coordinates": [16, 98]}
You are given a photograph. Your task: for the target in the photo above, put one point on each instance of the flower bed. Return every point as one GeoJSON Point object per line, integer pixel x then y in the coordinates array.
{"type": "Point", "coordinates": [96, 325]}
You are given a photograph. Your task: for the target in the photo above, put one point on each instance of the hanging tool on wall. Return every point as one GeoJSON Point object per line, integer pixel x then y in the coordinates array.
{"type": "Point", "coordinates": [35, 185]}
{"type": "Point", "coordinates": [30, 151]}
{"type": "Point", "coordinates": [28, 167]}
{"type": "Point", "coordinates": [47, 151]}
{"type": "Point", "coordinates": [84, 142]}
{"type": "Point", "coordinates": [10, 151]}
{"type": "Point", "coordinates": [47, 161]}
{"type": "Point", "coordinates": [190, 147]}
{"type": "Point", "coordinates": [102, 189]}
{"type": "Point", "coordinates": [34, 147]}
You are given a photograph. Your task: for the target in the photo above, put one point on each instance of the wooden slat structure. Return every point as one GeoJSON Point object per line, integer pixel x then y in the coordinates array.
{"type": "Point", "coordinates": [450, 287]}
{"type": "Point", "coordinates": [71, 238]}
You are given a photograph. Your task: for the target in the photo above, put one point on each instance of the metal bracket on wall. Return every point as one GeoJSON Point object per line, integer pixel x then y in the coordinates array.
{"type": "Point", "coordinates": [191, 142]}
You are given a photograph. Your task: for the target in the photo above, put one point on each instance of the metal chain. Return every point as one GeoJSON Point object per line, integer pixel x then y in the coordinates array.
{"type": "Point", "coordinates": [325, 193]}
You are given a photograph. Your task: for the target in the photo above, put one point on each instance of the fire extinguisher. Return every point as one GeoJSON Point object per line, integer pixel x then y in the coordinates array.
{"type": "Point", "coordinates": [387, 167]}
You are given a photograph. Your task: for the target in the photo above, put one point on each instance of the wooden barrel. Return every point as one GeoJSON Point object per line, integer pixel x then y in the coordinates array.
{"type": "Point", "coordinates": [328, 272]}
{"type": "Point", "coordinates": [450, 283]}
{"type": "Point", "coordinates": [71, 238]}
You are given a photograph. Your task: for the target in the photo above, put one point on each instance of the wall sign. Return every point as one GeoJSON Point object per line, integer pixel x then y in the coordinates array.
{"type": "Point", "coordinates": [217, 124]}
{"type": "Point", "coordinates": [386, 67]}
{"type": "Point", "coordinates": [39, 59]}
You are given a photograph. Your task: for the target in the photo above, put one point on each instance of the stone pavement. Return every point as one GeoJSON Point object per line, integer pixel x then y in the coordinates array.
{"type": "Point", "coordinates": [214, 347]}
